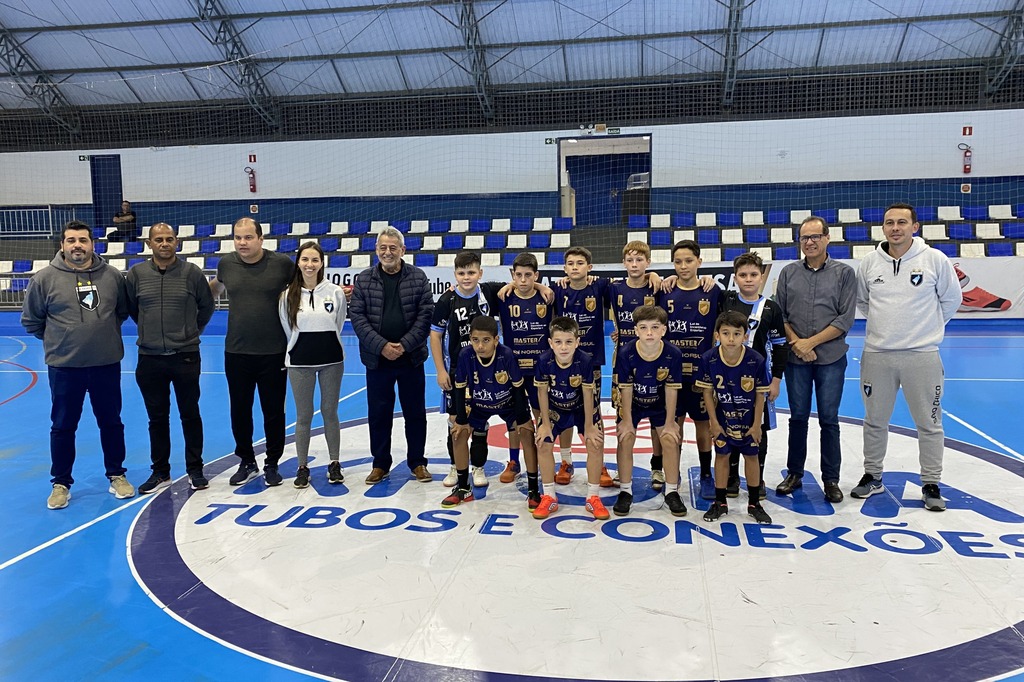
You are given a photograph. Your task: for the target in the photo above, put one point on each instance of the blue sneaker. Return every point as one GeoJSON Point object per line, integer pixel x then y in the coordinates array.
{"type": "Point", "coordinates": [868, 486]}
{"type": "Point", "coordinates": [707, 487]}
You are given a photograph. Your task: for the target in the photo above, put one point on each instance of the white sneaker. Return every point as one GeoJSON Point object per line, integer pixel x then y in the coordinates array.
{"type": "Point", "coordinates": [479, 477]}
{"type": "Point", "coordinates": [451, 479]}
{"type": "Point", "coordinates": [657, 479]}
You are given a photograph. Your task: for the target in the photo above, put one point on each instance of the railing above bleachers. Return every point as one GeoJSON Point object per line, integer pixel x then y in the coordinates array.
{"type": "Point", "coordinates": [34, 221]}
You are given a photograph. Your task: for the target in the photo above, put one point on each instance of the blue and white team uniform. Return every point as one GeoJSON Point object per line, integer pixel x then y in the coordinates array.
{"type": "Point", "coordinates": [453, 313]}
{"type": "Point", "coordinates": [649, 379]}
{"type": "Point", "coordinates": [494, 388]}
{"type": "Point", "coordinates": [588, 307]}
{"type": "Point", "coordinates": [565, 390]}
{"type": "Point", "coordinates": [691, 329]}
{"type": "Point", "coordinates": [737, 388]}
{"type": "Point", "coordinates": [524, 329]}
{"type": "Point", "coordinates": [766, 334]}
{"type": "Point", "coordinates": [623, 300]}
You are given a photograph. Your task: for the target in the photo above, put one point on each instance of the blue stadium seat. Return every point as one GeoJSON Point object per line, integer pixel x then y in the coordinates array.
{"type": "Point", "coordinates": [402, 226]}
{"type": "Point", "coordinates": [99, 232]}
{"type": "Point", "coordinates": [203, 231]}
{"type": "Point", "coordinates": [829, 215]}
{"type": "Point", "coordinates": [857, 233]}
{"type": "Point", "coordinates": [480, 225]}
{"type": "Point", "coordinates": [539, 240]}
{"type": "Point", "coordinates": [1013, 230]}
{"type": "Point", "coordinates": [494, 242]}
{"type": "Point", "coordinates": [776, 218]}
{"type": "Point", "coordinates": [319, 229]}
{"type": "Point", "coordinates": [521, 224]}
{"type": "Point", "coordinates": [840, 251]}
{"type": "Point", "coordinates": [639, 221]}
{"type": "Point", "coordinates": [413, 243]}
{"type": "Point", "coordinates": [330, 244]}
{"type": "Point", "coordinates": [99, 247]}
{"type": "Point", "coordinates": [359, 227]}
{"type": "Point", "coordinates": [19, 284]}
{"type": "Point", "coordinates": [133, 248]}
{"type": "Point", "coordinates": [438, 226]}
{"type": "Point", "coordinates": [974, 213]}
{"type": "Point", "coordinates": [368, 244]}
{"type": "Point", "coordinates": [340, 261]}
{"type": "Point", "coordinates": [961, 230]}
{"type": "Point", "coordinates": [708, 237]}
{"type": "Point", "coordinates": [564, 224]}
{"type": "Point", "coordinates": [211, 262]}
{"type": "Point", "coordinates": [132, 262]}
{"type": "Point", "coordinates": [758, 235]}
{"type": "Point", "coordinates": [452, 242]}
{"type": "Point", "coordinates": [946, 248]}
{"type": "Point", "coordinates": [555, 258]}
{"type": "Point", "coordinates": [507, 258]}
{"type": "Point", "coordinates": [730, 219]}
{"type": "Point", "coordinates": [999, 249]}
{"type": "Point", "coordinates": [425, 260]}
{"type": "Point", "coordinates": [732, 252]}
{"type": "Point", "coordinates": [926, 214]}
{"type": "Point", "coordinates": [1017, 210]}
{"type": "Point", "coordinates": [872, 216]}
{"type": "Point", "coordinates": [276, 230]}
{"type": "Point", "coordinates": [288, 245]}
{"type": "Point", "coordinates": [209, 246]}
{"type": "Point", "coordinates": [787, 253]}
{"type": "Point", "coordinates": [685, 219]}
{"type": "Point", "coordinates": [660, 238]}
{"type": "Point", "coordinates": [21, 265]}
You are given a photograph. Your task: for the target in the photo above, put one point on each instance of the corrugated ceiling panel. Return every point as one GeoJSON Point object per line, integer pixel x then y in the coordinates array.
{"type": "Point", "coordinates": [371, 75]}
{"type": "Point", "coordinates": [53, 51]}
{"type": "Point", "coordinates": [422, 27]}
{"type": "Point", "coordinates": [519, 22]}
{"type": "Point", "coordinates": [778, 51]}
{"type": "Point", "coordinates": [19, 13]}
{"type": "Point", "coordinates": [299, 79]}
{"type": "Point", "coordinates": [528, 65]}
{"type": "Point", "coordinates": [98, 89]}
{"type": "Point", "coordinates": [678, 56]}
{"type": "Point", "coordinates": [784, 12]}
{"type": "Point", "coordinates": [238, 6]}
{"type": "Point", "coordinates": [14, 98]}
{"type": "Point", "coordinates": [676, 17]}
{"type": "Point", "coordinates": [600, 62]}
{"type": "Point", "coordinates": [210, 83]}
{"type": "Point", "coordinates": [949, 40]}
{"type": "Point", "coordinates": [434, 71]}
{"type": "Point", "coordinates": [860, 45]}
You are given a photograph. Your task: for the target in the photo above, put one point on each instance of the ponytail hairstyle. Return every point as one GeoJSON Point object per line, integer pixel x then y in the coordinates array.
{"type": "Point", "coordinates": [295, 286]}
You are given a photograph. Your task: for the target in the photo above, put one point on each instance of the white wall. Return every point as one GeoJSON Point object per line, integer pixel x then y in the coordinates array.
{"type": "Point", "coordinates": [799, 150]}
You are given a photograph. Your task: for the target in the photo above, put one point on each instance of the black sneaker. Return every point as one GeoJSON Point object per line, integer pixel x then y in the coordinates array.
{"type": "Point", "coordinates": [302, 478]}
{"type": "Point", "coordinates": [732, 488]}
{"type": "Point", "coordinates": [334, 473]}
{"type": "Point", "coordinates": [675, 504]}
{"type": "Point", "coordinates": [532, 500]}
{"type": "Point", "coordinates": [758, 513]}
{"type": "Point", "coordinates": [623, 503]}
{"type": "Point", "coordinates": [718, 510]}
{"type": "Point", "coordinates": [246, 472]}
{"type": "Point", "coordinates": [197, 481]}
{"type": "Point", "coordinates": [153, 483]}
{"type": "Point", "coordinates": [271, 476]}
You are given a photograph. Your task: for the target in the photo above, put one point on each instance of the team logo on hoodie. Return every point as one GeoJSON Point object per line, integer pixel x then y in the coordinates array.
{"type": "Point", "coordinates": [867, 390]}
{"type": "Point", "coordinates": [916, 277]}
{"type": "Point", "coordinates": [88, 295]}
{"type": "Point", "coordinates": [329, 306]}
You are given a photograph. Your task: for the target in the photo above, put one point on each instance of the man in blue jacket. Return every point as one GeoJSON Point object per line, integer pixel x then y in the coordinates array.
{"type": "Point", "coordinates": [390, 313]}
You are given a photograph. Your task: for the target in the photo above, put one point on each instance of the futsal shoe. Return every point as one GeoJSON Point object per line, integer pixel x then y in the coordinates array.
{"type": "Point", "coordinates": [458, 496]}
{"type": "Point", "coordinates": [271, 476]}
{"type": "Point", "coordinates": [59, 497]}
{"type": "Point", "coordinates": [978, 300]}
{"type": "Point", "coordinates": [596, 507]}
{"type": "Point", "coordinates": [868, 486]}
{"type": "Point", "coordinates": [675, 504]}
{"type": "Point", "coordinates": [452, 478]}
{"type": "Point", "coordinates": [245, 473]}
{"type": "Point", "coordinates": [301, 478]}
{"type": "Point", "coordinates": [153, 483]}
{"type": "Point", "coordinates": [335, 474]}
{"type": "Point", "coordinates": [717, 511]}
{"type": "Point", "coordinates": [547, 505]}
{"type": "Point", "coordinates": [512, 470]}
{"type": "Point", "coordinates": [197, 481]}
{"type": "Point", "coordinates": [121, 488]}
{"type": "Point", "coordinates": [606, 479]}
{"type": "Point", "coordinates": [732, 488]}
{"type": "Point", "coordinates": [707, 487]}
{"type": "Point", "coordinates": [657, 479]}
{"type": "Point", "coordinates": [564, 474]}
{"type": "Point", "coordinates": [623, 503]}
{"type": "Point", "coordinates": [532, 500]}
{"type": "Point", "coordinates": [480, 478]}
{"type": "Point", "coordinates": [932, 498]}
{"type": "Point", "coordinates": [757, 512]}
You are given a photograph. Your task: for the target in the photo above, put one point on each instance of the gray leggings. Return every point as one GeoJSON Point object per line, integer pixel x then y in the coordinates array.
{"type": "Point", "coordinates": [303, 380]}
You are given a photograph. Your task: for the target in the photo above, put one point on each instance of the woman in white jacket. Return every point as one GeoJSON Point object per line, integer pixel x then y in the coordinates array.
{"type": "Point", "coordinates": [312, 312]}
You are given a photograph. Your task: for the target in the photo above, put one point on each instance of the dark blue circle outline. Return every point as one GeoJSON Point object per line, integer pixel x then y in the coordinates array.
{"type": "Point", "coordinates": [162, 570]}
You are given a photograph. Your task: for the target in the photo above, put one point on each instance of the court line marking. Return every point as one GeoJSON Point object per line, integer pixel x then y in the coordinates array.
{"type": "Point", "coordinates": [984, 435]}
{"type": "Point", "coordinates": [24, 347]}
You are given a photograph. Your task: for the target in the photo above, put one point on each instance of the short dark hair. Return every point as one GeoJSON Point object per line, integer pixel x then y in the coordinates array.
{"type": "Point", "coordinates": [913, 212]}
{"type": "Point", "coordinates": [815, 219]}
{"type": "Point", "coordinates": [464, 259]}
{"type": "Point", "coordinates": [749, 258]}
{"type": "Point", "coordinates": [526, 260]}
{"type": "Point", "coordinates": [687, 244]}
{"type": "Point", "coordinates": [484, 323]}
{"type": "Point", "coordinates": [648, 313]}
{"type": "Point", "coordinates": [75, 225]}
{"type": "Point", "coordinates": [256, 223]}
{"type": "Point", "coordinates": [731, 318]}
{"type": "Point", "coordinates": [580, 251]}
{"type": "Point", "coordinates": [565, 324]}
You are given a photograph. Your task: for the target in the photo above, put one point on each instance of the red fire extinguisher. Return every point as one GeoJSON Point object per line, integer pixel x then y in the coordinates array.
{"type": "Point", "coordinates": [252, 178]}
{"type": "Point", "coordinates": [967, 157]}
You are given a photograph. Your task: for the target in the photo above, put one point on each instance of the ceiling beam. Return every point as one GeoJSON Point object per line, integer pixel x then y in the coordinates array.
{"type": "Point", "coordinates": [731, 56]}
{"type": "Point", "coordinates": [37, 85]}
{"type": "Point", "coordinates": [1008, 52]}
{"type": "Point", "coordinates": [469, 26]}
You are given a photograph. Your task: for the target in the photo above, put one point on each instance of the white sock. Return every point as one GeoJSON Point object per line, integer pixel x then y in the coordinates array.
{"type": "Point", "coordinates": [593, 489]}
{"type": "Point", "coordinates": [566, 454]}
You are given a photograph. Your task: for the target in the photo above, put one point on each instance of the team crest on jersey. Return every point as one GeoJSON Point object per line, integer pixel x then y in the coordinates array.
{"type": "Point", "coordinates": [747, 384]}
{"type": "Point", "coordinates": [501, 377]}
{"type": "Point", "coordinates": [88, 295]}
{"type": "Point", "coordinates": [329, 306]}
{"type": "Point", "coordinates": [576, 381]}
{"type": "Point", "coordinates": [542, 309]}
{"type": "Point", "coordinates": [704, 307]}
{"type": "Point", "coordinates": [648, 300]}
{"type": "Point", "coordinates": [591, 304]}
{"type": "Point", "coordinates": [662, 373]}
{"type": "Point", "coordinates": [916, 277]}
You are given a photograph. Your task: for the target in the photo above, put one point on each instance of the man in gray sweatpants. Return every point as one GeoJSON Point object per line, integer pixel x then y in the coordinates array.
{"type": "Point", "coordinates": [908, 291]}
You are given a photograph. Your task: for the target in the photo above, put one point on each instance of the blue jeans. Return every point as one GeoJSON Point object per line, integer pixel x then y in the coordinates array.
{"type": "Point", "coordinates": [827, 384]}
{"type": "Point", "coordinates": [68, 386]}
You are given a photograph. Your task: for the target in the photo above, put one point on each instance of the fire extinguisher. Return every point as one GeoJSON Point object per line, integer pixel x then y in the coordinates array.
{"type": "Point", "coordinates": [252, 178]}
{"type": "Point", "coordinates": [967, 157]}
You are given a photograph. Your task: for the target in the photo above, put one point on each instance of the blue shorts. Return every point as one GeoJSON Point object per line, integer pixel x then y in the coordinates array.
{"type": "Point", "coordinates": [478, 418]}
{"type": "Point", "coordinates": [743, 446]}
{"type": "Point", "coordinates": [689, 402]}
{"type": "Point", "coordinates": [531, 393]}
{"type": "Point", "coordinates": [656, 417]}
{"type": "Point", "coordinates": [565, 421]}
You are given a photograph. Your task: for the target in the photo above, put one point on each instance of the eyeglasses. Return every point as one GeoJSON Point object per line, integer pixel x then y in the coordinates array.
{"type": "Point", "coordinates": [388, 248]}
{"type": "Point", "coordinates": [807, 238]}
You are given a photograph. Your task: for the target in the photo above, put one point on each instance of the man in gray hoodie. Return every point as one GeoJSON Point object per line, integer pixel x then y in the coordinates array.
{"type": "Point", "coordinates": [76, 306]}
{"type": "Point", "coordinates": [908, 291]}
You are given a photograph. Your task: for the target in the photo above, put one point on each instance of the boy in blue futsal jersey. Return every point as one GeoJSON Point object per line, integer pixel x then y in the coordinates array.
{"type": "Point", "coordinates": [525, 317]}
{"type": "Point", "coordinates": [735, 380]}
{"type": "Point", "coordinates": [487, 384]}
{"type": "Point", "coordinates": [650, 375]}
{"type": "Point", "coordinates": [565, 388]}
{"type": "Point", "coordinates": [692, 311]}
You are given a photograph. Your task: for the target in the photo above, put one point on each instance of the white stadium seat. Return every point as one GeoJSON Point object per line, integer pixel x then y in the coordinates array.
{"type": "Point", "coordinates": [706, 219]}
{"type": "Point", "coordinates": [861, 250]}
{"type": "Point", "coordinates": [490, 259]}
{"type": "Point", "coordinates": [753, 217]}
{"type": "Point", "coordinates": [501, 225]}
{"type": "Point", "coordinates": [560, 240]}
{"type": "Point", "coordinates": [1001, 212]}
{"type": "Point", "coordinates": [849, 215]}
{"type": "Point", "coordinates": [339, 227]}
{"type": "Point", "coordinates": [361, 260]}
{"type": "Point", "coordinates": [661, 220]}
{"type": "Point", "coordinates": [732, 236]}
{"type": "Point", "coordinates": [988, 231]}
{"type": "Point", "coordinates": [516, 242]}
{"type": "Point", "coordinates": [419, 226]}
{"type": "Point", "coordinates": [636, 237]}
{"type": "Point", "coordinates": [223, 230]}
{"type": "Point", "coordinates": [680, 235]}
{"type": "Point", "coordinates": [797, 217]}
{"type": "Point", "coordinates": [459, 226]}
{"type": "Point", "coordinates": [932, 233]}
{"type": "Point", "coordinates": [542, 224]}
{"type": "Point", "coordinates": [949, 213]}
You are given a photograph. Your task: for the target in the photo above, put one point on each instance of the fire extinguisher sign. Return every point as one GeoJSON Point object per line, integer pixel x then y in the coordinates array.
{"type": "Point", "coordinates": [252, 157]}
{"type": "Point", "coordinates": [968, 131]}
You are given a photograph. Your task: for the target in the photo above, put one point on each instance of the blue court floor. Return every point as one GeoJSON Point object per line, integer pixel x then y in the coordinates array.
{"type": "Point", "coordinates": [356, 583]}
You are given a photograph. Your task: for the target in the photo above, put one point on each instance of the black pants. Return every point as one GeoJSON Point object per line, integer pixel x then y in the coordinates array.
{"type": "Point", "coordinates": [155, 375]}
{"type": "Point", "coordinates": [247, 374]}
{"type": "Point", "coordinates": [380, 399]}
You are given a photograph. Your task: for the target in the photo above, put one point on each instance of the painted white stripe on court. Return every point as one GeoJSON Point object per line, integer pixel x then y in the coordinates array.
{"type": "Point", "coordinates": [24, 347]}
{"type": "Point", "coordinates": [984, 435]}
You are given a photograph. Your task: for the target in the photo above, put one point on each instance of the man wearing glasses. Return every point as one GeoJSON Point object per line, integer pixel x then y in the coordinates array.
{"type": "Point", "coordinates": [818, 299]}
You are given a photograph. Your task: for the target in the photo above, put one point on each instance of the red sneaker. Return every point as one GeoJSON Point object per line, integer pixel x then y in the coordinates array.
{"type": "Point", "coordinates": [532, 501]}
{"type": "Point", "coordinates": [510, 472]}
{"type": "Point", "coordinates": [597, 508]}
{"type": "Point", "coordinates": [547, 505]}
{"type": "Point", "coordinates": [458, 496]}
{"type": "Point", "coordinates": [977, 300]}
{"type": "Point", "coordinates": [564, 474]}
{"type": "Point", "coordinates": [606, 479]}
